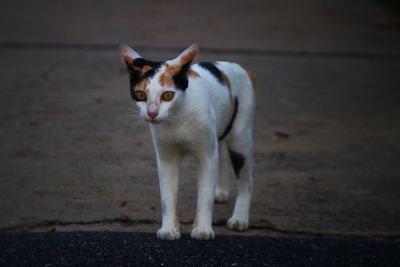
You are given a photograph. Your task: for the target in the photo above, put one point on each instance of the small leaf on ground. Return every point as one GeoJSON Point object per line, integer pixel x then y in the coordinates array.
{"type": "Point", "coordinates": [280, 136]}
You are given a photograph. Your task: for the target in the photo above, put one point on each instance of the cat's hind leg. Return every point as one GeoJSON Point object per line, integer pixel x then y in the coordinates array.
{"type": "Point", "coordinates": [240, 150]}
{"type": "Point", "coordinates": [225, 171]}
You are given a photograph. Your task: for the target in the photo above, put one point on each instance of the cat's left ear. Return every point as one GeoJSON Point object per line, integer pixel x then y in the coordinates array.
{"type": "Point", "coordinates": [186, 57]}
{"type": "Point", "coordinates": [128, 54]}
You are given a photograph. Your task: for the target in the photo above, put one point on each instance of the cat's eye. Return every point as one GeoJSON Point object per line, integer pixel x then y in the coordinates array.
{"type": "Point", "coordinates": [167, 96]}
{"type": "Point", "coordinates": [139, 96]}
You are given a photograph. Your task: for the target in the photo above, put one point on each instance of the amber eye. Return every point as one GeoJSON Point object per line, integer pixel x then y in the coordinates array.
{"type": "Point", "coordinates": [139, 96]}
{"type": "Point", "coordinates": [167, 96]}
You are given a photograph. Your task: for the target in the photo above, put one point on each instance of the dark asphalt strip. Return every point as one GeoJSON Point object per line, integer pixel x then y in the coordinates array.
{"type": "Point", "coordinates": [211, 50]}
{"type": "Point", "coordinates": [134, 249]}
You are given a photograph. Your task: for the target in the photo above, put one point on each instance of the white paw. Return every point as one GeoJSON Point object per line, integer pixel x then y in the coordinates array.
{"type": "Point", "coordinates": [168, 234]}
{"type": "Point", "coordinates": [202, 233]}
{"type": "Point", "coordinates": [221, 196]}
{"type": "Point", "coordinates": [238, 224]}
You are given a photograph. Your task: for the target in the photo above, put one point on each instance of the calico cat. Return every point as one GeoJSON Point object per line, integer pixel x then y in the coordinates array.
{"type": "Point", "coordinates": [204, 109]}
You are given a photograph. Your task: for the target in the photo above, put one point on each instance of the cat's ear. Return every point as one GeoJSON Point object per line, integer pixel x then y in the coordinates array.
{"type": "Point", "coordinates": [178, 68]}
{"type": "Point", "coordinates": [187, 56]}
{"type": "Point", "coordinates": [128, 54]}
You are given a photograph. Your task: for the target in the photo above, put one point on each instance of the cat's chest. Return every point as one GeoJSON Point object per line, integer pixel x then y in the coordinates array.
{"type": "Point", "coordinates": [185, 135]}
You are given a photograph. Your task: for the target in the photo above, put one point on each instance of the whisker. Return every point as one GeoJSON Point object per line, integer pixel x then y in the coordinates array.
{"type": "Point", "coordinates": [134, 110]}
{"type": "Point", "coordinates": [173, 115]}
{"type": "Point", "coordinates": [169, 119]}
{"type": "Point", "coordinates": [133, 119]}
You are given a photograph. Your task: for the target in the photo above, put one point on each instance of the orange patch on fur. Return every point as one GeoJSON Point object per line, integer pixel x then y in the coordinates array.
{"type": "Point", "coordinates": [142, 86]}
{"type": "Point", "coordinates": [252, 78]}
{"type": "Point", "coordinates": [170, 70]}
{"type": "Point", "coordinates": [142, 70]}
{"type": "Point", "coordinates": [145, 69]}
{"type": "Point", "coordinates": [193, 74]}
{"type": "Point", "coordinates": [166, 76]}
{"type": "Point", "coordinates": [226, 80]}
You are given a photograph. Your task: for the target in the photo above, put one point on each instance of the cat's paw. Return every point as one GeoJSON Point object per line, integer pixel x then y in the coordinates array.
{"type": "Point", "coordinates": [168, 234]}
{"type": "Point", "coordinates": [221, 196]}
{"type": "Point", "coordinates": [238, 224]}
{"type": "Point", "coordinates": [202, 233]}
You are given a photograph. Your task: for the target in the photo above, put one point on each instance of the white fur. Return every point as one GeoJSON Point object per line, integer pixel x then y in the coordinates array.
{"type": "Point", "coordinates": [192, 123]}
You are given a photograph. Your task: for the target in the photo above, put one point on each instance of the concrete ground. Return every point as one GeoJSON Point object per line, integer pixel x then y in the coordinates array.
{"type": "Point", "coordinates": [326, 130]}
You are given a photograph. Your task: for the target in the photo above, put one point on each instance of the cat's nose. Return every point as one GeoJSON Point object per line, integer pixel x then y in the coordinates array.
{"type": "Point", "coordinates": [152, 114]}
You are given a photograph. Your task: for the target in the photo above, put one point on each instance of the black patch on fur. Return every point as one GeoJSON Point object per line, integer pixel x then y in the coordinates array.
{"type": "Point", "coordinates": [180, 79]}
{"type": "Point", "coordinates": [135, 75]}
{"type": "Point", "coordinates": [230, 124]}
{"type": "Point", "coordinates": [214, 70]}
{"type": "Point", "coordinates": [237, 161]}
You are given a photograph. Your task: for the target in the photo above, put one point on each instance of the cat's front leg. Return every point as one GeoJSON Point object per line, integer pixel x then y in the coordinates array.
{"type": "Point", "coordinates": [168, 178]}
{"type": "Point", "coordinates": [207, 178]}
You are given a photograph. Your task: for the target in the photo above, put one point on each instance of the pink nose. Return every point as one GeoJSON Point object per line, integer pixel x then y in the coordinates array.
{"type": "Point", "coordinates": [152, 115]}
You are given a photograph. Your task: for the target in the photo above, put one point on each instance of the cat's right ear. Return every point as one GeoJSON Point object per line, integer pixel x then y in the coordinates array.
{"type": "Point", "coordinates": [128, 54]}
{"type": "Point", "coordinates": [186, 57]}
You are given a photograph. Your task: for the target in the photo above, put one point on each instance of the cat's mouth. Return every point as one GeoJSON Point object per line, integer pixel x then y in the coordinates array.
{"type": "Point", "coordinates": [153, 121]}
{"type": "Point", "coordinates": [156, 120]}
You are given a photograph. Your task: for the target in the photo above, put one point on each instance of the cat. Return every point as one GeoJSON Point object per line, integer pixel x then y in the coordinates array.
{"type": "Point", "coordinates": [207, 110]}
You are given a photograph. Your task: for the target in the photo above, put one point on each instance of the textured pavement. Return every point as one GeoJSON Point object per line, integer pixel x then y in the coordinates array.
{"type": "Point", "coordinates": [128, 249]}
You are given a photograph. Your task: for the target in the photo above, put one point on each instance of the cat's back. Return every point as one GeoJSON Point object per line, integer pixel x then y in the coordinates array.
{"type": "Point", "coordinates": [226, 73]}
{"type": "Point", "coordinates": [230, 88]}
{"type": "Point", "coordinates": [241, 80]}
{"type": "Point", "coordinates": [230, 74]}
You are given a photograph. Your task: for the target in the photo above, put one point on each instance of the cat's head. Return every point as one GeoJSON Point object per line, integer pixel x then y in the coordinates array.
{"type": "Point", "coordinates": [158, 87]}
